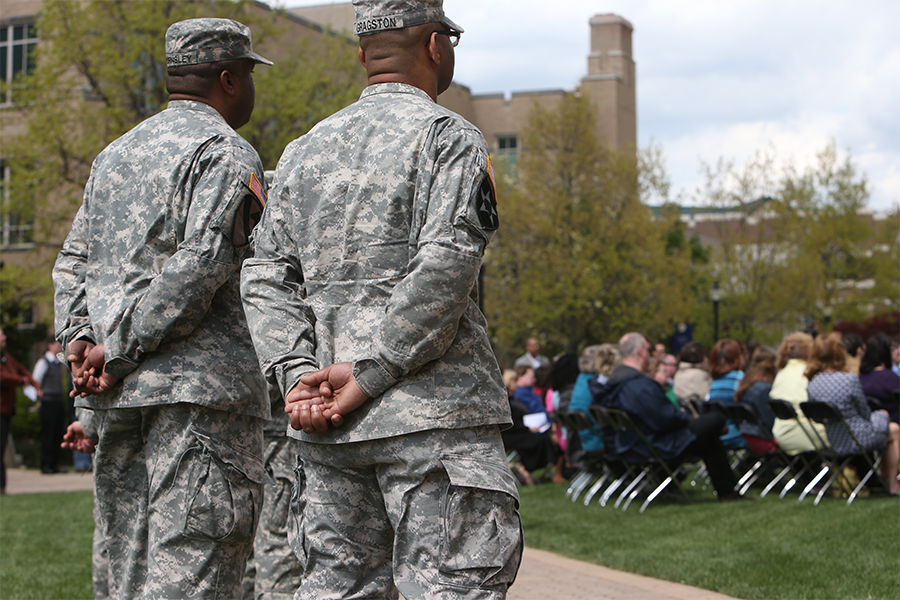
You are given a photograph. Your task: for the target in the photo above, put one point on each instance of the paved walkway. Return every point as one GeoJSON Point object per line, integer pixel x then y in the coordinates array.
{"type": "Point", "coordinates": [19, 481]}
{"type": "Point", "coordinates": [542, 576]}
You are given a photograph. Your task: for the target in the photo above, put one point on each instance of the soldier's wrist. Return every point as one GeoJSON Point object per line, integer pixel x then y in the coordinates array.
{"type": "Point", "coordinates": [374, 377]}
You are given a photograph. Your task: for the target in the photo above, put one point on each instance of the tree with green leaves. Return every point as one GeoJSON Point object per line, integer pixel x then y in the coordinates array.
{"type": "Point", "coordinates": [578, 258]}
{"type": "Point", "coordinates": [315, 79]}
{"type": "Point", "coordinates": [801, 247]}
{"type": "Point", "coordinates": [101, 69]}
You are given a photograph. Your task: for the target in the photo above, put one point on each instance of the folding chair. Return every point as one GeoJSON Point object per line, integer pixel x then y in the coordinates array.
{"type": "Point", "coordinates": [514, 462]}
{"type": "Point", "coordinates": [740, 458]}
{"type": "Point", "coordinates": [699, 407]}
{"type": "Point", "coordinates": [613, 467]}
{"type": "Point", "coordinates": [741, 414]}
{"type": "Point", "coordinates": [691, 404]}
{"type": "Point", "coordinates": [653, 470]}
{"type": "Point", "coordinates": [828, 414]}
{"type": "Point", "coordinates": [784, 410]}
{"type": "Point", "coordinates": [589, 464]}
{"type": "Point", "coordinates": [874, 403]}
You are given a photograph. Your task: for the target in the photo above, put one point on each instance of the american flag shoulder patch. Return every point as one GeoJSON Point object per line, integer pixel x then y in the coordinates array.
{"type": "Point", "coordinates": [256, 187]}
{"type": "Point", "coordinates": [490, 172]}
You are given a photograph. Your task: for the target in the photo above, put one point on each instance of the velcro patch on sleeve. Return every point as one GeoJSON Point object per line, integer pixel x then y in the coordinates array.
{"type": "Point", "coordinates": [486, 200]}
{"type": "Point", "coordinates": [249, 213]}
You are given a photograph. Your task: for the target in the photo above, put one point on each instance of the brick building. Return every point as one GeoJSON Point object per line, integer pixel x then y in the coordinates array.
{"type": "Point", "coordinates": [610, 82]}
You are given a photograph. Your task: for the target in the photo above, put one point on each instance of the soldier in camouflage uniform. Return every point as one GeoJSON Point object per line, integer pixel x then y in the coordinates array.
{"type": "Point", "coordinates": [366, 263]}
{"type": "Point", "coordinates": [273, 571]}
{"type": "Point", "coordinates": [148, 309]}
{"type": "Point", "coordinates": [81, 436]}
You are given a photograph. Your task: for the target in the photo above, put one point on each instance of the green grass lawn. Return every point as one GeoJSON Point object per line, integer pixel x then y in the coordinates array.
{"type": "Point", "coordinates": [754, 548]}
{"type": "Point", "coordinates": [45, 546]}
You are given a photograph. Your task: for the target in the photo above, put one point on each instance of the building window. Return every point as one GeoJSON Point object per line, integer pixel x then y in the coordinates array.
{"type": "Point", "coordinates": [17, 228]}
{"type": "Point", "coordinates": [507, 144]}
{"type": "Point", "coordinates": [17, 44]}
{"type": "Point", "coordinates": [508, 155]}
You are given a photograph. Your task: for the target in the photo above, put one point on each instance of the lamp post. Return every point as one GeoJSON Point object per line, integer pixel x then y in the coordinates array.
{"type": "Point", "coordinates": [716, 294]}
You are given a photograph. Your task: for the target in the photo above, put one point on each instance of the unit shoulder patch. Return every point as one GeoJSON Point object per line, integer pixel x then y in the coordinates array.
{"type": "Point", "coordinates": [486, 201]}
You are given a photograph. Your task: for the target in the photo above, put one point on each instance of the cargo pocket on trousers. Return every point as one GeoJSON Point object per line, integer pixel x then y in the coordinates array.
{"type": "Point", "coordinates": [225, 493]}
{"type": "Point", "coordinates": [296, 537]}
{"type": "Point", "coordinates": [482, 533]}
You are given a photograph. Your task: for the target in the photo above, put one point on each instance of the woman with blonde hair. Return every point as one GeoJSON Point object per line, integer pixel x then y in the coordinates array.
{"type": "Point", "coordinates": [596, 363]}
{"type": "Point", "coordinates": [790, 385]}
{"type": "Point", "coordinates": [830, 382]}
{"type": "Point", "coordinates": [509, 380]}
{"type": "Point", "coordinates": [607, 358]}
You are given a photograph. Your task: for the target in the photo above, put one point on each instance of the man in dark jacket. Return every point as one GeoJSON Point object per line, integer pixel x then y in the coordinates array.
{"type": "Point", "coordinates": [673, 434]}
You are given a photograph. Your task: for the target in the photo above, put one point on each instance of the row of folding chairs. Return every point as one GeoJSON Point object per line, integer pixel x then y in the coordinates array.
{"type": "Point", "coordinates": [822, 467]}
{"type": "Point", "coordinates": [832, 463]}
{"type": "Point", "coordinates": [613, 479]}
{"type": "Point", "coordinates": [608, 475]}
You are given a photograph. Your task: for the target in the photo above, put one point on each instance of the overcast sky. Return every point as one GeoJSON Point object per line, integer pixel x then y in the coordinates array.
{"type": "Point", "coordinates": [714, 79]}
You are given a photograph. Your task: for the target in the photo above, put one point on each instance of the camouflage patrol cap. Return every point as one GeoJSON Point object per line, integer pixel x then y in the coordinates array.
{"type": "Point", "coordinates": [373, 16]}
{"type": "Point", "coordinates": [197, 41]}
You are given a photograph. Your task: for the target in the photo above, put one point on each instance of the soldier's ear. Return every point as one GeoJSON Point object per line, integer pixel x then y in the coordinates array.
{"type": "Point", "coordinates": [433, 48]}
{"type": "Point", "coordinates": [226, 80]}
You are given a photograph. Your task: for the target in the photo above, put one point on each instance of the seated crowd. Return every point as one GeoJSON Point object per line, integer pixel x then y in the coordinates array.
{"type": "Point", "coordinates": [674, 402]}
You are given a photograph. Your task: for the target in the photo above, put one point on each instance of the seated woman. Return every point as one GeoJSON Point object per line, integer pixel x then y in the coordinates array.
{"type": "Point", "coordinates": [581, 394]}
{"type": "Point", "coordinates": [830, 382]}
{"type": "Point", "coordinates": [754, 393]}
{"type": "Point", "coordinates": [692, 379]}
{"type": "Point", "coordinates": [875, 374]}
{"type": "Point", "coordinates": [790, 383]}
{"type": "Point", "coordinates": [536, 449]}
{"type": "Point", "coordinates": [563, 375]}
{"type": "Point", "coordinates": [596, 364]}
{"type": "Point", "coordinates": [726, 362]}
{"type": "Point", "coordinates": [525, 391]}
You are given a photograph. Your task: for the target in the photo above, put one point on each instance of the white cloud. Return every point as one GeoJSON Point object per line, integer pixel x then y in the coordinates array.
{"type": "Point", "coordinates": [715, 79]}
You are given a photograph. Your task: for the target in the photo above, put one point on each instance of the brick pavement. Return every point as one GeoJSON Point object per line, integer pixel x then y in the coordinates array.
{"type": "Point", "coordinates": [542, 576]}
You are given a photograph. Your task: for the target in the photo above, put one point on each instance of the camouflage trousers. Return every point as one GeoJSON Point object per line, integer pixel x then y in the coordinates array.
{"type": "Point", "coordinates": [273, 571]}
{"type": "Point", "coordinates": [99, 558]}
{"type": "Point", "coordinates": [178, 492]}
{"type": "Point", "coordinates": [432, 514]}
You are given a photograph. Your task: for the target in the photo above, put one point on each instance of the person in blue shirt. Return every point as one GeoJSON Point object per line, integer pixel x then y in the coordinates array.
{"type": "Point", "coordinates": [726, 362]}
{"type": "Point", "coordinates": [525, 390]}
